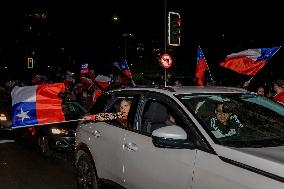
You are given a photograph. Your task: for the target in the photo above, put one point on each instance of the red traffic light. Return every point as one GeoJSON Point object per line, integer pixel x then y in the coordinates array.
{"type": "Point", "coordinates": [174, 34]}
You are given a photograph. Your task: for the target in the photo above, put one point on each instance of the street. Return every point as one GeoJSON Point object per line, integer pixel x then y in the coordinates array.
{"type": "Point", "coordinates": [23, 166]}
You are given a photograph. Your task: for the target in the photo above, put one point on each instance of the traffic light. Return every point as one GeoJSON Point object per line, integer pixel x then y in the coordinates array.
{"type": "Point", "coordinates": [174, 33]}
{"type": "Point", "coordinates": [30, 62]}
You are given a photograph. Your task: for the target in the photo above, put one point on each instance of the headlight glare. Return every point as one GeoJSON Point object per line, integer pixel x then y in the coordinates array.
{"type": "Point", "coordinates": [3, 117]}
{"type": "Point", "coordinates": [57, 131]}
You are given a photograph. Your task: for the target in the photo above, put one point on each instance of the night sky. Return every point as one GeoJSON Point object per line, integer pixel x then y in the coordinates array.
{"type": "Point", "coordinates": [86, 27]}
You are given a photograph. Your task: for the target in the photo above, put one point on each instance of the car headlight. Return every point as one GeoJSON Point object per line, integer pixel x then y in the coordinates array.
{"type": "Point", "coordinates": [58, 131]}
{"type": "Point", "coordinates": [3, 117]}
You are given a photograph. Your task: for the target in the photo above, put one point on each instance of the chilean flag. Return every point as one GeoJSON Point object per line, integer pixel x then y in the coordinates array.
{"type": "Point", "coordinates": [249, 61]}
{"type": "Point", "coordinates": [36, 105]}
{"type": "Point", "coordinates": [201, 67]}
{"type": "Point", "coordinates": [103, 81]}
{"type": "Point", "coordinates": [122, 66]}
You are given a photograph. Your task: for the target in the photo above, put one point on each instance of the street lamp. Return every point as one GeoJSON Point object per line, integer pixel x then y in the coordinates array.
{"type": "Point", "coordinates": [115, 18]}
{"type": "Point", "coordinates": [125, 35]}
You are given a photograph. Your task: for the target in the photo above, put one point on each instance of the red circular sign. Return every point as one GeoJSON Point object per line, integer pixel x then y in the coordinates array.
{"type": "Point", "coordinates": [166, 61]}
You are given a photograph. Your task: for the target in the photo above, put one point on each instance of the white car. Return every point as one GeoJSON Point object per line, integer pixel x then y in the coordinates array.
{"type": "Point", "coordinates": [190, 151]}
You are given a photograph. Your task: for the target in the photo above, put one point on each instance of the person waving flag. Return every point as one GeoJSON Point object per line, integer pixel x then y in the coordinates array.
{"type": "Point", "coordinates": [123, 67]}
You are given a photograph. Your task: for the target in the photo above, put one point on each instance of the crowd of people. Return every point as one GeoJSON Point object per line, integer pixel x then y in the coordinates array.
{"type": "Point", "coordinates": [276, 92]}
{"type": "Point", "coordinates": [82, 88]}
{"type": "Point", "coordinates": [86, 93]}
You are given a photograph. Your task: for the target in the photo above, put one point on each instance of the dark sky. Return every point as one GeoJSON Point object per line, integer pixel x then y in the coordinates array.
{"type": "Point", "coordinates": [203, 21]}
{"type": "Point", "coordinates": [219, 28]}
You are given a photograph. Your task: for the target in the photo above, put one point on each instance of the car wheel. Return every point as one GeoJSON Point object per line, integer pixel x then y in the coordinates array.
{"type": "Point", "coordinates": [86, 176]}
{"type": "Point", "coordinates": [43, 144]}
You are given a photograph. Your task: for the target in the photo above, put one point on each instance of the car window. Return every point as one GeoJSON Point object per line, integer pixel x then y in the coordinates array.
{"type": "Point", "coordinates": [158, 114]}
{"type": "Point", "coordinates": [70, 108]}
{"type": "Point", "coordinates": [100, 104]}
{"type": "Point", "coordinates": [239, 120]}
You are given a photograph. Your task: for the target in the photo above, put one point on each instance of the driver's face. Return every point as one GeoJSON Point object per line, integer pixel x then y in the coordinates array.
{"type": "Point", "coordinates": [222, 116]}
{"type": "Point", "coordinates": [124, 108]}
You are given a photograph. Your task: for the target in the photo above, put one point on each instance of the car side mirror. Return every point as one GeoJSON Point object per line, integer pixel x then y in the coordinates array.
{"type": "Point", "coordinates": [171, 136]}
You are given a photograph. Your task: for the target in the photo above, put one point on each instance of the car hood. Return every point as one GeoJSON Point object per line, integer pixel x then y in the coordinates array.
{"type": "Point", "coordinates": [267, 159]}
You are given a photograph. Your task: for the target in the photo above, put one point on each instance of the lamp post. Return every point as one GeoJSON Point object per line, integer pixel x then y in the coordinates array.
{"type": "Point", "coordinates": [125, 35]}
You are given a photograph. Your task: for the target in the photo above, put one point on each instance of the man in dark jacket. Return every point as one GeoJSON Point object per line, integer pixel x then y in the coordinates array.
{"type": "Point", "coordinates": [224, 123]}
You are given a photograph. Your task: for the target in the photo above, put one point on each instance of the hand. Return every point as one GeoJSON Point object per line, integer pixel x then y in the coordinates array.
{"type": "Point", "coordinates": [119, 115]}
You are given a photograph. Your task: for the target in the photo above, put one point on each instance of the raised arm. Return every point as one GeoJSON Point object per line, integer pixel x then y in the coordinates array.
{"type": "Point", "coordinates": [103, 117]}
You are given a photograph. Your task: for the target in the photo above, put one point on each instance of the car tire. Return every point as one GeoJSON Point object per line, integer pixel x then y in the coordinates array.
{"type": "Point", "coordinates": [44, 147]}
{"type": "Point", "coordinates": [86, 175]}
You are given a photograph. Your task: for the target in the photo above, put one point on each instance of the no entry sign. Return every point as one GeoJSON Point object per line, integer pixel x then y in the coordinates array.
{"type": "Point", "coordinates": [166, 61]}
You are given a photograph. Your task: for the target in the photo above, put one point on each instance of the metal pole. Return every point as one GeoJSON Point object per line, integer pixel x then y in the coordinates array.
{"type": "Point", "coordinates": [166, 22]}
{"type": "Point", "coordinates": [125, 48]}
{"type": "Point", "coordinates": [165, 77]}
{"type": "Point", "coordinates": [166, 33]}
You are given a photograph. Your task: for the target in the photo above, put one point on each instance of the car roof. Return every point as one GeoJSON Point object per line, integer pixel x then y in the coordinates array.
{"type": "Point", "coordinates": [187, 89]}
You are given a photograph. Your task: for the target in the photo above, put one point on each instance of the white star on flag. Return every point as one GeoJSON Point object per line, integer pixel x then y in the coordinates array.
{"type": "Point", "coordinates": [23, 115]}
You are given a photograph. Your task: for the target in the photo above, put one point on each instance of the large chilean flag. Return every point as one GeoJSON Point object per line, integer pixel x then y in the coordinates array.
{"type": "Point", "coordinates": [37, 105]}
{"type": "Point", "coordinates": [249, 61]}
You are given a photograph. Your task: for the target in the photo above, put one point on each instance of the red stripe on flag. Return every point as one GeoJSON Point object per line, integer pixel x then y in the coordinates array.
{"type": "Point", "coordinates": [48, 104]}
{"type": "Point", "coordinates": [127, 73]}
{"type": "Point", "coordinates": [243, 65]}
{"type": "Point", "coordinates": [199, 74]}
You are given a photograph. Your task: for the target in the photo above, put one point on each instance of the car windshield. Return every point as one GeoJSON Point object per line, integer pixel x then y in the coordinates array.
{"type": "Point", "coordinates": [239, 120]}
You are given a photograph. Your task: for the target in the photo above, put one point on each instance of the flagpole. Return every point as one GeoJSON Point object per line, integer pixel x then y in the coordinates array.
{"type": "Point", "coordinates": [210, 73]}
{"type": "Point", "coordinates": [50, 123]}
{"type": "Point", "coordinates": [207, 66]}
{"type": "Point", "coordinates": [133, 83]}
{"type": "Point", "coordinates": [166, 24]}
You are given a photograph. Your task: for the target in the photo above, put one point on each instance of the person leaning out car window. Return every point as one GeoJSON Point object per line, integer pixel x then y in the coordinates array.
{"type": "Point", "coordinates": [121, 116]}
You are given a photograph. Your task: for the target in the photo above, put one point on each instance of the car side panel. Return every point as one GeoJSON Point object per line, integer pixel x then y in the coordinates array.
{"type": "Point", "coordinates": [152, 167]}
{"type": "Point", "coordinates": [106, 149]}
{"type": "Point", "coordinates": [211, 172]}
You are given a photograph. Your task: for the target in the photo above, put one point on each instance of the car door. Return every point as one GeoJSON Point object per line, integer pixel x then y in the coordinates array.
{"type": "Point", "coordinates": [107, 141]}
{"type": "Point", "coordinates": [147, 166]}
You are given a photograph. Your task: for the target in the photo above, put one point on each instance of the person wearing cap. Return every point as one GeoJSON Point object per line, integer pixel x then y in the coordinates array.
{"type": "Point", "coordinates": [224, 123]}
{"type": "Point", "coordinates": [278, 87]}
